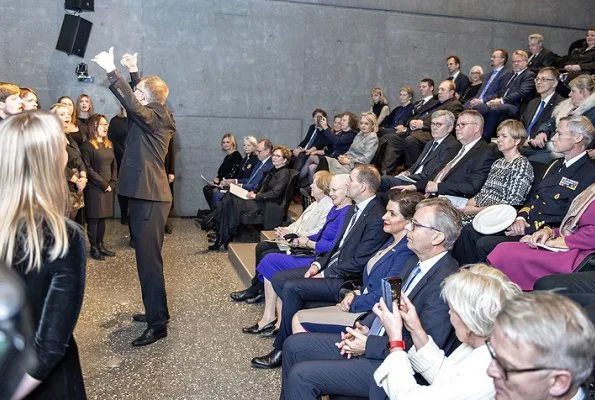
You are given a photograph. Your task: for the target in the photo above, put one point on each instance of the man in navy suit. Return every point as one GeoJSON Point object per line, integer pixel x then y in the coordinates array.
{"type": "Point", "coordinates": [317, 363]}
{"type": "Point", "coordinates": [497, 78]}
{"type": "Point", "coordinates": [507, 101]}
{"type": "Point", "coordinates": [453, 64]}
{"type": "Point", "coordinates": [361, 237]}
{"type": "Point", "coordinates": [264, 148]}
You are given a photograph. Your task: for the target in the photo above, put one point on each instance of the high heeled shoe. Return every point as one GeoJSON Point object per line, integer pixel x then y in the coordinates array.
{"type": "Point", "coordinates": [255, 329]}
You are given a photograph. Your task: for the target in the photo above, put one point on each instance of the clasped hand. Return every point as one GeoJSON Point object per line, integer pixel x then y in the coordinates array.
{"type": "Point", "coordinates": [353, 343]}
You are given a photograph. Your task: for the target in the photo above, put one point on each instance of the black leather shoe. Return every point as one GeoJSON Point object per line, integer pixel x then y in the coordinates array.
{"type": "Point", "coordinates": [216, 246]}
{"type": "Point", "coordinates": [140, 317]}
{"type": "Point", "coordinates": [124, 221]}
{"type": "Point", "coordinates": [132, 243]}
{"type": "Point", "coordinates": [271, 360]}
{"type": "Point", "coordinates": [149, 336]}
{"type": "Point", "coordinates": [96, 254]}
{"type": "Point", "coordinates": [106, 252]}
{"type": "Point", "coordinates": [211, 240]}
{"type": "Point", "coordinates": [255, 329]}
{"type": "Point", "coordinates": [212, 235]}
{"type": "Point", "coordinates": [168, 230]}
{"type": "Point", "coordinates": [244, 295]}
{"type": "Point", "coordinates": [259, 298]}
{"type": "Point", "coordinates": [269, 333]}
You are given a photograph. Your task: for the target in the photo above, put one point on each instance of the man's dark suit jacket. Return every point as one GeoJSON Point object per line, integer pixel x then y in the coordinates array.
{"type": "Point", "coordinates": [453, 105]}
{"type": "Point", "coordinates": [319, 141]}
{"type": "Point", "coordinates": [398, 116]}
{"type": "Point", "coordinates": [545, 58]}
{"type": "Point", "coordinates": [545, 115]}
{"type": "Point", "coordinates": [467, 177]}
{"type": "Point", "coordinates": [419, 110]}
{"type": "Point", "coordinates": [462, 83]}
{"type": "Point", "coordinates": [257, 175]}
{"type": "Point", "coordinates": [517, 90]}
{"type": "Point", "coordinates": [500, 80]}
{"type": "Point", "coordinates": [362, 242]}
{"type": "Point", "coordinates": [431, 308]}
{"type": "Point", "coordinates": [150, 129]}
{"type": "Point", "coordinates": [446, 151]}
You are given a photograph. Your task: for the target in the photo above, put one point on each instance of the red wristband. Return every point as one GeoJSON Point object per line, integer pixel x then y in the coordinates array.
{"type": "Point", "coordinates": [395, 344]}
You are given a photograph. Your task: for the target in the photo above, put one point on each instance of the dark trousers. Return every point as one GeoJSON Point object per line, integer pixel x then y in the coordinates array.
{"type": "Point", "coordinates": [299, 161]}
{"type": "Point", "coordinates": [312, 366]}
{"type": "Point", "coordinates": [95, 231]}
{"type": "Point", "coordinates": [212, 195]}
{"type": "Point", "coordinates": [295, 291]}
{"type": "Point", "coordinates": [390, 151]}
{"type": "Point", "coordinates": [147, 224]}
{"type": "Point", "coordinates": [123, 203]}
{"type": "Point", "coordinates": [414, 145]}
{"type": "Point", "coordinates": [473, 247]}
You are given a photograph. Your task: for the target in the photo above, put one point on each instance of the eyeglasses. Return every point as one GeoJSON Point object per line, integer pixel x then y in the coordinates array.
{"type": "Point", "coordinates": [543, 79]}
{"type": "Point", "coordinates": [437, 124]}
{"type": "Point", "coordinates": [414, 224]}
{"type": "Point", "coordinates": [462, 125]}
{"type": "Point", "coordinates": [505, 371]}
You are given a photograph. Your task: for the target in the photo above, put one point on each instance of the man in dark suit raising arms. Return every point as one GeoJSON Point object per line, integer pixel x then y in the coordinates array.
{"type": "Point", "coordinates": [312, 364]}
{"type": "Point", "coordinates": [361, 236]}
{"type": "Point", "coordinates": [143, 180]}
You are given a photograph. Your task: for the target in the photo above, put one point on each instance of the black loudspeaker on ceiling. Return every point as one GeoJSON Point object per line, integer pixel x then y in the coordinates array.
{"type": "Point", "coordinates": [75, 31]}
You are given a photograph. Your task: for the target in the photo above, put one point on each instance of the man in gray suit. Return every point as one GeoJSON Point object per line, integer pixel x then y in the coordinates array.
{"type": "Point", "coordinates": [143, 180]}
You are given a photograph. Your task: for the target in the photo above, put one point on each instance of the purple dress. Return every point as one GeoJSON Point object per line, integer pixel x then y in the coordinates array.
{"type": "Point", "coordinates": [325, 240]}
{"type": "Point", "coordinates": [524, 265]}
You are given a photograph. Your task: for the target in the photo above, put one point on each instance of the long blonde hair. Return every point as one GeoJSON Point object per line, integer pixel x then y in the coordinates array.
{"type": "Point", "coordinates": [35, 193]}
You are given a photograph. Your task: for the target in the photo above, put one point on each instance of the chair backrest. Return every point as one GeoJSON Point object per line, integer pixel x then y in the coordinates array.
{"type": "Point", "coordinates": [588, 264]}
{"type": "Point", "coordinates": [294, 176]}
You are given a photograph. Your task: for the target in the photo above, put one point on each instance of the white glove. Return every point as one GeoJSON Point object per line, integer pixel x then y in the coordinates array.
{"type": "Point", "coordinates": [130, 62]}
{"type": "Point", "coordinates": [105, 60]}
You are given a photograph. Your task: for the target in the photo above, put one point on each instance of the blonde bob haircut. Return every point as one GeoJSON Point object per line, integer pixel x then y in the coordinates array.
{"type": "Point", "coordinates": [477, 293]}
{"type": "Point", "coordinates": [516, 129]}
{"type": "Point", "coordinates": [379, 91]}
{"type": "Point", "coordinates": [232, 140]}
{"type": "Point", "coordinates": [35, 193]}
{"type": "Point", "coordinates": [371, 118]}
{"type": "Point", "coordinates": [322, 180]}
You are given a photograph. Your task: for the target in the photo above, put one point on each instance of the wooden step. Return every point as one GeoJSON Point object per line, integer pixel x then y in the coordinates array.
{"type": "Point", "coordinates": [267, 235]}
{"type": "Point", "coordinates": [242, 258]}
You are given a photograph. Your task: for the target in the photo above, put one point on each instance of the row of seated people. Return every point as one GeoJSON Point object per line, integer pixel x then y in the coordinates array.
{"type": "Point", "coordinates": [412, 239]}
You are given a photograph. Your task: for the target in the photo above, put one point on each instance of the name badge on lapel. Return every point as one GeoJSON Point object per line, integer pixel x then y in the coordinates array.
{"type": "Point", "coordinates": [568, 183]}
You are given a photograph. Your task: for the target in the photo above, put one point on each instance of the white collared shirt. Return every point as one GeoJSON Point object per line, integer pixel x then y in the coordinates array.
{"type": "Point", "coordinates": [454, 76]}
{"type": "Point", "coordinates": [421, 167]}
{"type": "Point", "coordinates": [466, 150]}
{"type": "Point", "coordinates": [568, 163]}
{"type": "Point", "coordinates": [424, 267]}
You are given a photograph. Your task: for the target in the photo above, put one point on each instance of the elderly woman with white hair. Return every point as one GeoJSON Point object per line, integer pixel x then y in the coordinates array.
{"type": "Point", "coordinates": [475, 296]}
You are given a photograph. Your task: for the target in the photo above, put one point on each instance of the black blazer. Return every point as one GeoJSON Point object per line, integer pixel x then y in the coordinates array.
{"type": "Point", "coordinates": [545, 58]}
{"type": "Point", "coordinates": [453, 105]}
{"type": "Point", "coordinates": [431, 308]}
{"type": "Point", "coordinates": [365, 238]}
{"type": "Point", "coordinates": [518, 90]}
{"type": "Point", "coordinates": [319, 140]}
{"type": "Point", "coordinates": [150, 128]}
{"type": "Point", "coordinates": [462, 82]}
{"type": "Point", "coordinates": [467, 177]}
{"type": "Point", "coordinates": [544, 117]}
{"type": "Point", "coordinates": [398, 116]}
{"type": "Point", "coordinates": [274, 184]}
{"type": "Point", "coordinates": [446, 151]}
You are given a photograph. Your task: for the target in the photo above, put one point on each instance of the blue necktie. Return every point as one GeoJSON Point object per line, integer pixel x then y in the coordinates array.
{"type": "Point", "coordinates": [255, 172]}
{"type": "Point", "coordinates": [485, 88]}
{"type": "Point", "coordinates": [311, 141]}
{"type": "Point", "coordinates": [536, 116]}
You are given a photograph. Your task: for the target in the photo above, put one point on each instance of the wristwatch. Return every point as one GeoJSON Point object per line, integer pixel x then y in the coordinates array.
{"type": "Point", "coordinates": [395, 344]}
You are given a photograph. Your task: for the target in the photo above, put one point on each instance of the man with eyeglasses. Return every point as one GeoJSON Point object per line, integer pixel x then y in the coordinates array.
{"type": "Point", "coordinates": [539, 111]}
{"type": "Point", "coordinates": [542, 348]}
{"type": "Point", "coordinates": [493, 82]}
{"type": "Point", "coordinates": [317, 363]}
{"type": "Point", "coordinates": [540, 57]}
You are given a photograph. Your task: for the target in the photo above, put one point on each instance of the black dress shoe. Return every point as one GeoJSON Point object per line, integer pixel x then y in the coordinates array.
{"type": "Point", "coordinates": [244, 295]}
{"type": "Point", "coordinates": [140, 317]}
{"type": "Point", "coordinates": [132, 243]}
{"type": "Point", "coordinates": [255, 329]}
{"type": "Point", "coordinates": [271, 360]}
{"type": "Point", "coordinates": [212, 235]}
{"type": "Point", "coordinates": [259, 298]}
{"type": "Point", "coordinates": [149, 336]}
{"type": "Point", "coordinates": [269, 333]}
{"type": "Point", "coordinates": [124, 221]}
{"type": "Point", "coordinates": [168, 230]}
{"type": "Point", "coordinates": [106, 252]}
{"type": "Point", "coordinates": [96, 254]}
{"type": "Point", "coordinates": [211, 240]}
{"type": "Point", "coordinates": [216, 246]}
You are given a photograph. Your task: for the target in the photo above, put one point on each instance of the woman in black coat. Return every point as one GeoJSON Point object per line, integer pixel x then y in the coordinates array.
{"type": "Point", "coordinates": [274, 183]}
{"type": "Point", "coordinates": [98, 155]}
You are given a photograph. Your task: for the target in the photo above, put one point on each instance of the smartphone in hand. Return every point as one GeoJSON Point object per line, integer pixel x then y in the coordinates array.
{"type": "Point", "coordinates": [391, 291]}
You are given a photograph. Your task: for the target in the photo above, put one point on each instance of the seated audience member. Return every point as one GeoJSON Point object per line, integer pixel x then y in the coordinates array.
{"type": "Point", "coordinates": [117, 133]}
{"type": "Point", "coordinates": [453, 64]}
{"type": "Point", "coordinates": [475, 295]}
{"type": "Point", "coordinates": [581, 60]}
{"type": "Point", "coordinates": [465, 174]}
{"type": "Point", "coordinates": [318, 243]}
{"type": "Point", "coordinates": [76, 172]}
{"type": "Point", "coordinates": [476, 80]}
{"type": "Point", "coordinates": [340, 142]}
{"type": "Point", "coordinates": [539, 111]}
{"type": "Point", "coordinates": [316, 363]}
{"type": "Point", "coordinates": [379, 105]}
{"type": "Point", "coordinates": [549, 200]}
{"type": "Point", "coordinates": [510, 177]}
{"type": "Point", "coordinates": [307, 173]}
{"type": "Point", "coordinates": [435, 155]}
{"type": "Point", "coordinates": [419, 124]}
{"type": "Point", "coordinates": [525, 262]}
{"type": "Point", "coordinates": [75, 128]}
{"type": "Point", "coordinates": [581, 102]}
{"type": "Point", "coordinates": [314, 140]}
{"type": "Point", "coordinates": [539, 56]}
{"type": "Point", "coordinates": [361, 237]}
{"type": "Point", "coordinates": [274, 183]}
{"type": "Point", "coordinates": [362, 149]}
{"type": "Point", "coordinates": [309, 223]}
{"type": "Point", "coordinates": [30, 99]}
{"type": "Point", "coordinates": [10, 101]}
{"type": "Point", "coordinates": [497, 78]}
{"type": "Point", "coordinates": [100, 162]}
{"type": "Point", "coordinates": [542, 348]}
{"type": "Point", "coordinates": [84, 108]}
{"type": "Point", "coordinates": [506, 102]}
{"type": "Point", "coordinates": [579, 286]}
{"type": "Point", "coordinates": [250, 158]}
{"type": "Point", "coordinates": [386, 263]}
{"type": "Point", "coordinates": [45, 249]}
{"type": "Point", "coordinates": [228, 169]}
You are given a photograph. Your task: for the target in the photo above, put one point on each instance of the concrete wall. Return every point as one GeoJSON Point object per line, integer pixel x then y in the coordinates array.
{"type": "Point", "coordinates": [260, 67]}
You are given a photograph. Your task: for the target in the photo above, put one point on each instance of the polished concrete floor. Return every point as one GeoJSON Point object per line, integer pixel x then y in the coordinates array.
{"type": "Point", "coordinates": [205, 356]}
